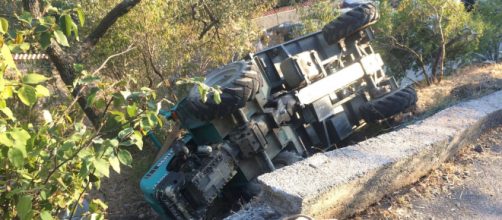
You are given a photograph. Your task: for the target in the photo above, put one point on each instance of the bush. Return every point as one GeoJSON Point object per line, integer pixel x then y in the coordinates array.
{"type": "Point", "coordinates": [429, 32]}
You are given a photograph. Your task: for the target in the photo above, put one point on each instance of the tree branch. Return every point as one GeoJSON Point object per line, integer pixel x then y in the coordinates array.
{"type": "Point", "coordinates": [118, 11]}
{"type": "Point", "coordinates": [113, 56]}
{"type": "Point", "coordinates": [64, 65]}
{"type": "Point", "coordinates": [418, 57]}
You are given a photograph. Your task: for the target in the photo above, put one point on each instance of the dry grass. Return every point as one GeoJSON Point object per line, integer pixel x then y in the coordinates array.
{"type": "Point", "coordinates": [466, 83]}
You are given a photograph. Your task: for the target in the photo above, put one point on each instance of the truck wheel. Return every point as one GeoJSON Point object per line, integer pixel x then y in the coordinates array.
{"type": "Point", "coordinates": [239, 82]}
{"type": "Point", "coordinates": [350, 22]}
{"type": "Point", "coordinates": [388, 105]}
{"type": "Point", "coordinates": [285, 158]}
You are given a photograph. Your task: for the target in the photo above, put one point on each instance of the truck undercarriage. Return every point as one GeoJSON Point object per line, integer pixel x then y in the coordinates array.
{"type": "Point", "coordinates": [277, 106]}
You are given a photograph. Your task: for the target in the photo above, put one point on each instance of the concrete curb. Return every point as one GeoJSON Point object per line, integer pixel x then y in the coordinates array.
{"type": "Point", "coordinates": [343, 182]}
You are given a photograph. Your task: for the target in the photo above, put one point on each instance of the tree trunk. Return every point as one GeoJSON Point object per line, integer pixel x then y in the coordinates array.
{"type": "Point", "coordinates": [64, 61]}
{"type": "Point", "coordinates": [435, 66]}
{"type": "Point", "coordinates": [424, 70]}
{"type": "Point", "coordinates": [33, 6]}
{"type": "Point", "coordinates": [497, 49]}
{"type": "Point", "coordinates": [442, 61]}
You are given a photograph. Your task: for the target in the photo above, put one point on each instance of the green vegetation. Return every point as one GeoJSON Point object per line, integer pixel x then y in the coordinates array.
{"type": "Point", "coordinates": [428, 32]}
{"type": "Point", "coordinates": [490, 12]}
{"type": "Point", "coordinates": [50, 155]}
{"type": "Point", "coordinates": [114, 57]}
{"type": "Point", "coordinates": [318, 14]}
{"type": "Point", "coordinates": [176, 39]}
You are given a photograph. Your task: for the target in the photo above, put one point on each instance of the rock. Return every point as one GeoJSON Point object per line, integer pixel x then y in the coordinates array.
{"type": "Point", "coordinates": [478, 149]}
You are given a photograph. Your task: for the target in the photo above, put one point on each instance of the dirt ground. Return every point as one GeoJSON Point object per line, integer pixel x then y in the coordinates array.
{"type": "Point", "coordinates": [121, 192]}
{"type": "Point", "coordinates": [468, 187]}
{"type": "Point", "coordinates": [125, 199]}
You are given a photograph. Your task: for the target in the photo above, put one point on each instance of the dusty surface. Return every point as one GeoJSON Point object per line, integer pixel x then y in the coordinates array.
{"type": "Point", "coordinates": [469, 187]}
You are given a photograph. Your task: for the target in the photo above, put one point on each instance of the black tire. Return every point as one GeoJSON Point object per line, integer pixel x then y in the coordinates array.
{"type": "Point", "coordinates": [239, 82]}
{"type": "Point", "coordinates": [285, 158]}
{"type": "Point", "coordinates": [388, 105]}
{"type": "Point", "coordinates": [350, 22]}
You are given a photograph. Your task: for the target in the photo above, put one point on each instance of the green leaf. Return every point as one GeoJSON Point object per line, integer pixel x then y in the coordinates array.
{"type": "Point", "coordinates": [46, 215]}
{"type": "Point", "coordinates": [125, 133]}
{"type": "Point", "coordinates": [61, 38]}
{"type": "Point", "coordinates": [102, 166]}
{"type": "Point", "coordinates": [217, 97]}
{"type": "Point", "coordinates": [125, 157]}
{"type": "Point", "coordinates": [20, 137]}
{"type": "Point", "coordinates": [97, 205]}
{"type": "Point", "coordinates": [7, 57]}
{"type": "Point", "coordinates": [203, 96]}
{"type": "Point", "coordinates": [2, 82]}
{"type": "Point", "coordinates": [43, 195]}
{"type": "Point", "coordinates": [34, 78]}
{"type": "Point", "coordinates": [78, 67]}
{"type": "Point", "coordinates": [42, 91]}
{"type": "Point", "coordinates": [24, 207]}
{"type": "Point", "coordinates": [16, 157]}
{"type": "Point", "coordinates": [111, 143]}
{"type": "Point", "coordinates": [100, 103]}
{"type": "Point", "coordinates": [144, 123]}
{"type": "Point", "coordinates": [81, 17]}
{"type": "Point", "coordinates": [67, 148]}
{"type": "Point", "coordinates": [19, 38]}
{"type": "Point", "coordinates": [52, 9]}
{"type": "Point", "coordinates": [67, 25]}
{"type": "Point", "coordinates": [8, 113]}
{"type": "Point", "coordinates": [85, 153]}
{"type": "Point", "coordinates": [7, 92]}
{"type": "Point", "coordinates": [4, 25]}
{"type": "Point", "coordinates": [24, 47]}
{"type": "Point", "coordinates": [27, 95]}
{"type": "Point", "coordinates": [119, 116]}
{"type": "Point", "coordinates": [138, 139]}
{"type": "Point", "coordinates": [132, 110]}
{"type": "Point", "coordinates": [74, 27]}
{"type": "Point", "coordinates": [6, 140]}
{"type": "Point", "coordinates": [45, 40]}
{"type": "Point", "coordinates": [26, 17]}
{"type": "Point", "coordinates": [92, 96]}
{"type": "Point", "coordinates": [118, 99]}
{"type": "Point", "coordinates": [114, 161]}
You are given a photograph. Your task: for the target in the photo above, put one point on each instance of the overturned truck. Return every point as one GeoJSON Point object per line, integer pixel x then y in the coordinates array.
{"type": "Point", "coordinates": [277, 107]}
